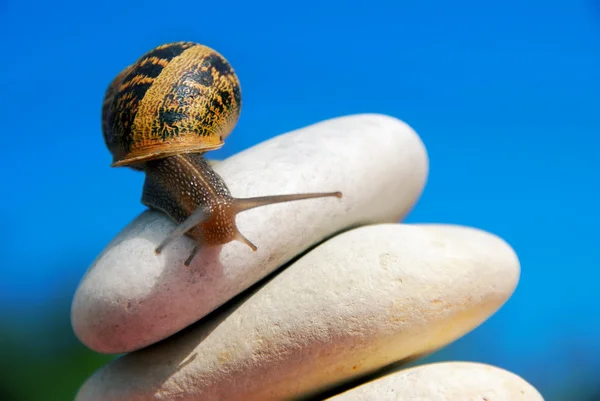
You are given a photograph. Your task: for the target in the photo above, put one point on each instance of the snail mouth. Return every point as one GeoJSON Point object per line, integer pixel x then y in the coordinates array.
{"type": "Point", "coordinates": [208, 226]}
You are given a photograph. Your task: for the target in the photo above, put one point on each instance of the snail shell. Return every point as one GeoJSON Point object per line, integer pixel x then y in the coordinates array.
{"type": "Point", "coordinates": [178, 98]}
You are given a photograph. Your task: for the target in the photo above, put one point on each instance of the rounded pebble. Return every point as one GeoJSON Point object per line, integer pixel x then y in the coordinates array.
{"type": "Point", "coordinates": [445, 381]}
{"type": "Point", "coordinates": [130, 297]}
{"type": "Point", "coordinates": [364, 299]}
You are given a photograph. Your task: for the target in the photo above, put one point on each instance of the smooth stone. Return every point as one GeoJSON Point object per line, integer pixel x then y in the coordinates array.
{"type": "Point", "coordinates": [362, 300]}
{"type": "Point", "coordinates": [445, 381]}
{"type": "Point", "coordinates": [130, 298]}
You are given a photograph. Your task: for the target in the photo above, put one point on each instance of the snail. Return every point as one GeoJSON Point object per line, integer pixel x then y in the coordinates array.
{"type": "Point", "coordinates": [160, 115]}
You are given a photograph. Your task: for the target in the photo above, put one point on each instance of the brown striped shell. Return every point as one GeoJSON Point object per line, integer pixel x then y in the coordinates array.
{"type": "Point", "coordinates": [180, 97]}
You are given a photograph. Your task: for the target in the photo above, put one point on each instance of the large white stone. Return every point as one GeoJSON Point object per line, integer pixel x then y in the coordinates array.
{"type": "Point", "coordinates": [360, 301]}
{"type": "Point", "coordinates": [444, 382]}
{"type": "Point", "coordinates": [130, 298]}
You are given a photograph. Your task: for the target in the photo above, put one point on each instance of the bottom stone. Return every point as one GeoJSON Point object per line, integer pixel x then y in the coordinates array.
{"type": "Point", "coordinates": [443, 382]}
{"type": "Point", "coordinates": [360, 301]}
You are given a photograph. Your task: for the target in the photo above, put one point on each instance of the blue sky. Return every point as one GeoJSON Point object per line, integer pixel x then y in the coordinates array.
{"type": "Point", "coordinates": [505, 97]}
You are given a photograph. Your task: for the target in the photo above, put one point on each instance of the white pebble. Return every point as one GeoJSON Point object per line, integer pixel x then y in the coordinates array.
{"type": "Point", "coordinates": [445, 382]}
{"type": "Point", "coordinates": [360, 301]}
{"type": "Point", "coordinates": [130, 298]}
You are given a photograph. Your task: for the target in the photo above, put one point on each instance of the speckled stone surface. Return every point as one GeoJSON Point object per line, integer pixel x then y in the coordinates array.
{"type": "Point", "coordinates": [366, 298]}
{"type": "Point", "coordinates": [130, 298]}
{"type": "Point", "coordinates": [448, 381]}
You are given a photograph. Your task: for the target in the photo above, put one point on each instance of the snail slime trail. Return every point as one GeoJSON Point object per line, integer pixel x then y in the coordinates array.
{"type": "Point", "coordinates": [160, 115]}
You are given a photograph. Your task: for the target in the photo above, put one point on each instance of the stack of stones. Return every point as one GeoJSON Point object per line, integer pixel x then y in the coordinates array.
{"type": "Point", "coordinates": [337, 291]}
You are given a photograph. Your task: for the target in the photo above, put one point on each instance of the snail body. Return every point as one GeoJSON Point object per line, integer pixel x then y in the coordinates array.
{"type": "Point", "coordinates": [160, 115]}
